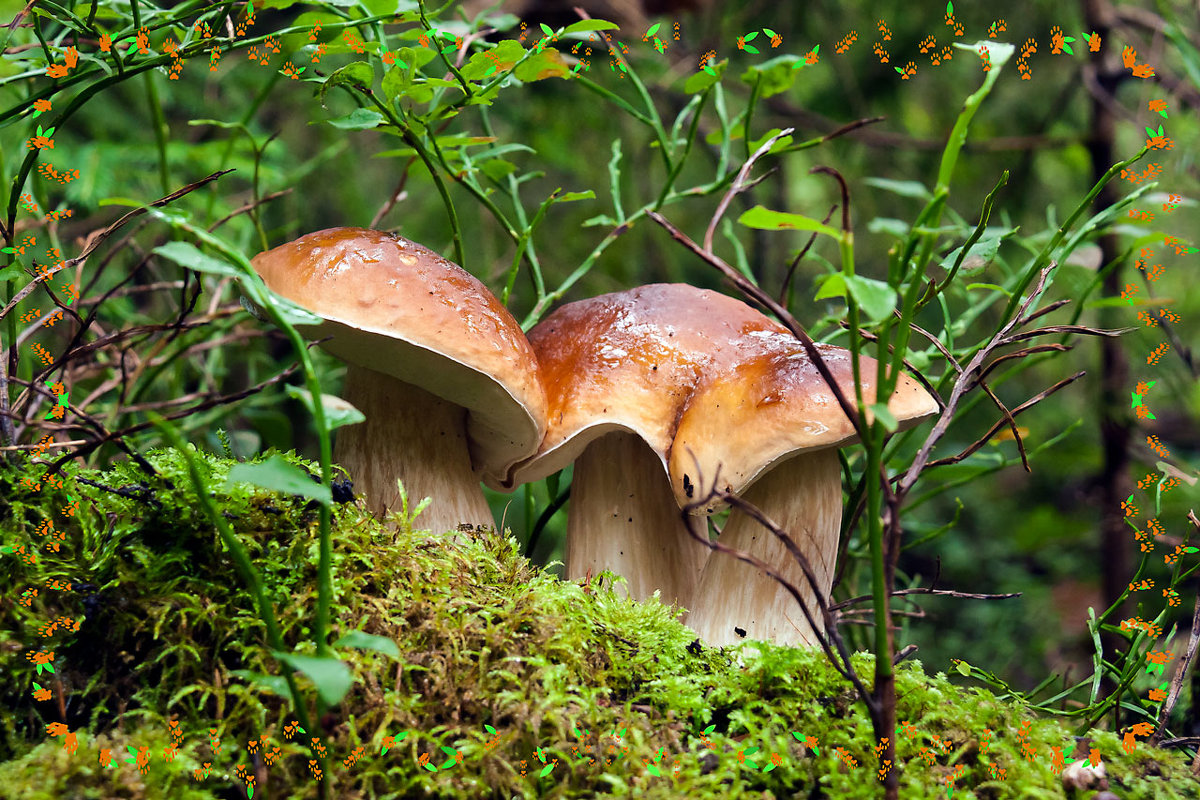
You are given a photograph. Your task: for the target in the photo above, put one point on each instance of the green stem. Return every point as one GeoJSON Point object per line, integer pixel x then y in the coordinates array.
{"type": "Point", "coordinates": [161, 131]}
{"type": "Point", "coordinates": [241, 562]}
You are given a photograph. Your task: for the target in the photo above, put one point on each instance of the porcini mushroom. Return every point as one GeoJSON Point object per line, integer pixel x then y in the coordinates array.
{"type": "Point", "coordinates": [445, 376]}
{"type": "Point", "coordinates": [772, 425]}
{"type": "Point", "coordinates": [619, 369]}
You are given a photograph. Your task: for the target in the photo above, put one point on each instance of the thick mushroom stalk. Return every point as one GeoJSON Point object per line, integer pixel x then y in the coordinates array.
{"type": "Point", "coordinates": [619, 371]}
{"type": "Point", "coordinates": [417, 438]}
{"type": "Point", "coordinates": [767, 428]}
{"type": "Point", "coordinates": [446, 378]}
{"type": "Point", "coordinates": [626, 520]}
{"type": "Point", "coordinates": [804, 498]}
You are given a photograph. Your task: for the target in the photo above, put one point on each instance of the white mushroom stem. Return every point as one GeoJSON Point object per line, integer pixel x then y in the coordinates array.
{"type": "Point", "coordinates": [416, 437]}
{"type": "Point", "coordinates": [624, 518]}
{"type": "Point", "coordinates": [803, 496]}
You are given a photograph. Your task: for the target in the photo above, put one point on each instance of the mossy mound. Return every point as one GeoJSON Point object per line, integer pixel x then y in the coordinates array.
{"type": "Point", "coordinates": [504, 672]}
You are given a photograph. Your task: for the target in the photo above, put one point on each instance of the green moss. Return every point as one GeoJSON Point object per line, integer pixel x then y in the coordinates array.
{"type": "Point", "coordinates": [485, 639]}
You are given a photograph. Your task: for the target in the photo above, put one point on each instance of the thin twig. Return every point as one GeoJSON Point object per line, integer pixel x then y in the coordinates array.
{"type": "Point", "coordinates": [97, 237]}
{"type": "Point", "coordinates": [1177, 681]}
{"type": "Point", "coordinates": [739, 184]}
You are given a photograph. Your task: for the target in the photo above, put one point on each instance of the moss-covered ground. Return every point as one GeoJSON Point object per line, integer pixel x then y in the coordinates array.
{"type": "Point", "coordinates": [501, 669]}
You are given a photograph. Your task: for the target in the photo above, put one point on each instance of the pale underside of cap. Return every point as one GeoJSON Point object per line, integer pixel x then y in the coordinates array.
{"type": "Point", "coordinates": [396, 307]}
{"type": "Point", "coordinates": [629, 361]}
{"type": "Point", "coordinates": [772, 406]}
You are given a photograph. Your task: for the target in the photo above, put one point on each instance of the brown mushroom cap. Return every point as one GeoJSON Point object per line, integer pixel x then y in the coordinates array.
{"type": "Point", "coordinates": [629, 361]}
{"type": "Point", "coordinates": [772, 406]}
{"type": "Point", "coordinates": [396, 307]}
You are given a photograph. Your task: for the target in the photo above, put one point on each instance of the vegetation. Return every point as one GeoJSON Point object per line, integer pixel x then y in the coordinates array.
{"type": "Point", "coordinates": [1006, 265]}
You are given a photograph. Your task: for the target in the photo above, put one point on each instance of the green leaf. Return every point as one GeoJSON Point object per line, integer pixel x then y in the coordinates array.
{"type": "Point", "coordinates": [369, 641]}
{"type": "Point", "coordinates": [982, 253]}
{"type": "Point", "coordinates": [750, 763]}
{"type": "Point", "coordinates": [703, 79]}
{"type": "Point", "coordinates": [799, 738]}
{"type": "Point", "coordinates": [653, 770]}
{"type": "Point", "coordinates": [777, 75]}
{"type": "Point", "coordinates": [547, 64]}
{"type": "Point", "coordinates": [750, 37]}
{"type": "Point", "coordinates": [356, 73]}
{"type": "Point", "coordinates": [950, 8]}
{"type": "Point", "coordinates": [653, 30]}
{"type": "Point", "coordinates": [991, 286]}
{"type": "Point", "coordinates": [431, 767]}
{"type": "Point", "coordinates": [766, 219]}
{"type": "Point", "coordinates": [570, 196]}
{"type": "Point", "coordinates": [583, 26]}
{"type": "Point", "coordinates": [884, 415]}
{"type": "Point", "coordinates": [358, 119]}
{"type": "Point", "coordinates": [276, 684]}
{"type": "Point", "coordinates": [902, 188]}
{"type": "Point", "coordinates": [188, 255]}
{"type": "Point", "coordinates": [497, 168]}
{"type": "Point", "coordinates": [489, 729]}
{"type": "Point", "coordinates": [450, 751]}
{"type": "Point", "coordinates": [769, 32]}
{"type": "Point", "coordinates": [331, 676]}
{"type": "Point", "coordinates": [279, 475]}
{"type": "Point", "coordinates": [11, 272]}
{"type": "Point", "coordinates": [749, 48]}
{"type": "Point", "coordinates": [832, 285]}
{"type": "Point", "coordinates": [546, 770]}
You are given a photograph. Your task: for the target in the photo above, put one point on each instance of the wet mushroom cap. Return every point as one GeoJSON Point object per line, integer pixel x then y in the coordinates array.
{"type": "Point", "coordinates": [772, 406]}
{"type": "Point", "coordinates": [629, 361]}
{"type": "Point", "coordinates": [398, 308]}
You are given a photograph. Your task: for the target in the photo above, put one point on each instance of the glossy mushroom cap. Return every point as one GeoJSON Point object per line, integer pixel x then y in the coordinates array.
{"type": "Point", "coordinates": [629, 361]}
{"type": "Point", "coordinates": [396, 307]}
{"type": "Point", "coordinates": [772, 406]}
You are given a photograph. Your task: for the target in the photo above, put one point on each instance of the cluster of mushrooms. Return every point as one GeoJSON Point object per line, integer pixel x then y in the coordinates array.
{"type": "Point", "coordinates": [651, 393]}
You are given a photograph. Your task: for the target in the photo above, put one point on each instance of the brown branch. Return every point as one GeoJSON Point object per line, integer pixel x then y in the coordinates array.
{"type": "Point", "coordinates": [97, 237]}
{"type": "Point", "coordinates": [1000, 423]}
{"type": "Point", "coordinates": [921, 590]}
{"type": "Point", "coordinates": [117, 436]}
{"type": "Point", "coordinates": [1189, 657]}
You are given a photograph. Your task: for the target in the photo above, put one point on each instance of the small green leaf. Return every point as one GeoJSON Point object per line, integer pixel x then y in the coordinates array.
{"type": "Point", "coordinates": [766, 219]}
{"type": "Point", "coordinates": [450, 751]}
{"type": "Point", "coordinates": [950, 8]}
{"type": "Point", "coordinates": [570, 196]}
{"type": "Point", "coordinates": [546, 770]}
{"type": "Point", "coordinates": [276, 684]}
{"type": "Point", "coordinates": [356, 73]}
{"type": "Point", "coordinates": [751, 49]}
{"type": "Point", "coordinates": [713, 727]}
{"type": "Point", "coordinates": [489, 729]}
{"type": "Point", "coordinates": [773, 76]}
{"type": "Point", "coordinates": [750, 763]}
{"type": "Point", "coordinates": [768, 767]}
{"type": "Point", "coordinates": [884, 415]}
{"type": "Point", "coordinates": [750, 750]}
{"type": "Point", "coordinates": [1191, 549]}
{"type": "Point", "coordinates": [963, 668]}
{"type": "Point", "coordinates": [831, 285]}
{"type": "Point", "coordinates": [188, 255]}
{"type": "Point", "coordinates": [583, 26]}
{"type": "Point", "coordinates": [653, 30]}
{"type": "Point", "coordinates": [431, 767]}
{"type": "Point", "coordinates": [357, 120]}
{"type": "Point", "coordinates": [331, 676]}
{"type": "Point", "coordinates": [337, 411]}
{"type": "Point", "coordinates": [1150, 131]}
{"type": "Point", "coordinates": [705, 78]}
{"type": "Point", "coordinates": [653, 770]}
{"type": "Point", "coordinates": [750, 37]}
{"type": "Point", "coordinates": [903, 188]}
{"type": "Point", "coordinates": [369, 641]}
{"type": "Point", "coordinates": [799, 738]}
{"type": "Point", "coordinates": [770, 32]}
{"type": "Point", "coordinates": [991, 286]}
{"type": "Point", "coordinates": [277, 474]}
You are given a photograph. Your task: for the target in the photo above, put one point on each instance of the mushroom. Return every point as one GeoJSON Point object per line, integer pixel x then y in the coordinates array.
{"type": "Point", "coordinates": [443, 373]}
{"type": "Point", "coordinates": [772, 425]}
{"type": "Point", "coordinates": [619, 369]}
